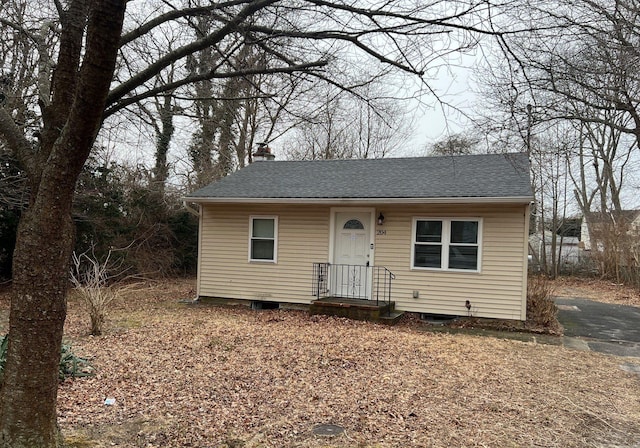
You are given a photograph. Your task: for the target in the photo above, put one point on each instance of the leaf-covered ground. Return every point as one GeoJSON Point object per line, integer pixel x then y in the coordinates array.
{"type": "Point", "coordinates": [197, 376]}
{"type": "Point", "coordinates": [596, 289]}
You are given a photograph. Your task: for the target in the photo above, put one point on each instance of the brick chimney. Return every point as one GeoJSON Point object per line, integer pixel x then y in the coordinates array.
{"type": "Point", "coordinates": [263, 153]}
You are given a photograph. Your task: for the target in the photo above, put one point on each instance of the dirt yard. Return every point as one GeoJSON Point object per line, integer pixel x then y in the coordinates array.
{"type": "Point", "coordinates": [196, 376]}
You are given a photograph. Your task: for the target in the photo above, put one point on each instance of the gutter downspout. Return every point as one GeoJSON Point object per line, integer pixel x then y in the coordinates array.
{"type": "Point", "coordinates": [193, 211]}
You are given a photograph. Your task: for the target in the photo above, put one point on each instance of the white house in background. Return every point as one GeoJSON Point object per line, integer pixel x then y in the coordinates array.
{"type": "Point", "coordinates": [568, 248]}
{"type": "Point", "coordinates": [599, 222]}
{"type": "Point", "coordinates": [445, 235]}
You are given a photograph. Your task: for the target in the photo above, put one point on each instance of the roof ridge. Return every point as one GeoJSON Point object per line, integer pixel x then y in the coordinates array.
{"type": "Point", "coordinates": [401, 158]}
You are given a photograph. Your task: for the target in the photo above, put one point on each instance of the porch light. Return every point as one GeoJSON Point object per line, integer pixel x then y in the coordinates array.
{"type": "Point", "coordinates": [380, 219]}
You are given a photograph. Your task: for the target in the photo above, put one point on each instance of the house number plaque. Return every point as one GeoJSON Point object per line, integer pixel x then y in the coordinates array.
{"type": "Point", "coordinates": [381, 232]}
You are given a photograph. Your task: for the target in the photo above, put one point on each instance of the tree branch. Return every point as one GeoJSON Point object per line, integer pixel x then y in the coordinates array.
{"type": "Point", "coordinates": [17, 142]}
{"type": "Point", "coordinates": [19, 29]}
{"type": "Point", "coordinates": [174, 15]}
{"type": "Point", "coordinates": [212, 39]}
{"type": "Point", "coordinates": [121, 104]}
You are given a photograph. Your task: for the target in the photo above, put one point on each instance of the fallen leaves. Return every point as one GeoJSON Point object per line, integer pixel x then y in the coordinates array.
{"type": "Point", "coordinates": [216, 376]}
{"type": "Point", "coordinates": [596, 289]}
{"type": "Point", "coordinates": [195, 376]}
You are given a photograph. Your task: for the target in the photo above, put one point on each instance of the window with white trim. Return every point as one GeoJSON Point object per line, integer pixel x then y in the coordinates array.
{"type": "Point", "coordinates": [263, 238]}
{"type": "Point", "coordinates": [446, 244]}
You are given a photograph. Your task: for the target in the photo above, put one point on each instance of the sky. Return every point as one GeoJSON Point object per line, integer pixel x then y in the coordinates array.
{"type": "Point", "coordinates": [433, 119]}
{"type": "Point", "coordinates": [437, 117]}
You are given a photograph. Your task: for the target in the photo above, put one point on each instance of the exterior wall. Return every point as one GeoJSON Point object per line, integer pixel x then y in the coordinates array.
{"type": "Point", "coordinates": [633, 231]}
{"type": "Point", "coordinates": [224, 269]}
{"type": "Point", "coordinates": [499, 290]}
{"type": "Point", "coordinates": [568, 251]}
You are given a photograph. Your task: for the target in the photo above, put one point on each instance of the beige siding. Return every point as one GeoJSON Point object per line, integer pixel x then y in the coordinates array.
{"type": "Point", "coordinates": [497, 291]}
{"type": "Point", "coordinates": [304, 238]}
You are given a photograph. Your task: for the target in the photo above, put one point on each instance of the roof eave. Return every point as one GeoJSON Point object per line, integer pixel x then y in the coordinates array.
{"type": "Point", "coordinates": [447, 200]}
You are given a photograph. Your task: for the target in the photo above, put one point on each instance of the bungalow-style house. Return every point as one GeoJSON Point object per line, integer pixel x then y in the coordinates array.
{"type": "Point", "coordinates": [442, 235]}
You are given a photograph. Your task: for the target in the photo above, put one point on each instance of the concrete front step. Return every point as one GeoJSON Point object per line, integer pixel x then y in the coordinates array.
{"type": "Point", "coordinates": [356, 309]}
{"type": "Point", "coordinates": [392, 318]}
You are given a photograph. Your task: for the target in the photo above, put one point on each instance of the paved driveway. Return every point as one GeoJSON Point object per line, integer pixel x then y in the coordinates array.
{"type": "Point", "coordinates": [600, 327]}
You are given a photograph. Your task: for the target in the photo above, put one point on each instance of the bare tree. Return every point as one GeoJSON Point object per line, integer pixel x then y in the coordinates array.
{"type": "Point", "coordinates": [89, 67]}
{"type": "Point", "coordinates": [72, 105]}
{"type": "Point", "coordinates": [577, 71]}
{"type": "Point", "coordinates": [549, 163]}
{"type": "Point", "coordinates": [343, 125]}
{"type": "Point", "coordinates": [509, 122]}
{"type": "Point", "coordinates": [161, 119]}
{"type": "Point", "coordinates": [581, 66]}
{"type": "Point", "coordinates": [455, 144]}
{"type": "Point", "coordinates": [581, 60]}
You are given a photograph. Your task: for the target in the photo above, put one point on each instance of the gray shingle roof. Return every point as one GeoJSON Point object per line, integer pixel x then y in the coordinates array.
{"type": "Point", "coordinates": [469, 176]}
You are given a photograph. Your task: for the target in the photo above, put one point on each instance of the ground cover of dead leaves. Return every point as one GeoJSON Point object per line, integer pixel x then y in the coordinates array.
{"type": "Point", "coordinates": [196, 376]}
{"type": "Point", "coordinates": [596, 289]}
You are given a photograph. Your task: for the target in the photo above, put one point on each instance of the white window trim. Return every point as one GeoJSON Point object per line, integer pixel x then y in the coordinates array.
{"type": "Point", "coordinates": [446, 242]}
{"type": "Point", "coordinates": [275, 238]}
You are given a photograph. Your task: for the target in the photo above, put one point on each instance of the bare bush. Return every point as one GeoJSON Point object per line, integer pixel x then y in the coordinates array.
{"type": "Point", "coordinates": [614, 246]}
{"type": "Point", "coordinates": [541, 309]}
{"type": "Point", "coordinates": [97, 285]}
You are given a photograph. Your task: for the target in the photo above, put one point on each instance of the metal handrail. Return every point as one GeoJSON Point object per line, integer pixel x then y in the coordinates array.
{"type": "Point", "coordinates": [352, 282]}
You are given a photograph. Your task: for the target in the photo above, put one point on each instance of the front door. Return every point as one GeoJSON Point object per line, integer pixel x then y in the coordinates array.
{"type": "Point", "coordinates": [351, 271]}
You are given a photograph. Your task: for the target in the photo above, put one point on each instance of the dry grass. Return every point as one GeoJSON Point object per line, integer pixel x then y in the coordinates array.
{"type": "Point", "coordinates": [216, 377]}
{"type": "Point", "coordinates": [204, 377]}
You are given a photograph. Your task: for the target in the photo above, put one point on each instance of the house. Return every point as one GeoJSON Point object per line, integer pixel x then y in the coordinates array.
{"type": "Point", "coordinates": [567, 249]}
{"type": "Point", "coordinates": [444, 235]}
{"type": "Point", "coordinates": [609, 226]}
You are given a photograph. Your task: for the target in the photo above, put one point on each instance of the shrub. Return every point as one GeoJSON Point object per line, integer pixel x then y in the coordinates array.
{"type": "Point", "coordinates": [91, 279]}
{"type": "Point", "coordinates": [73, 366]}
{"type": "Point", "coordinates": [70, 365]}
{"type": "Point", "coordinates": [541, 309]}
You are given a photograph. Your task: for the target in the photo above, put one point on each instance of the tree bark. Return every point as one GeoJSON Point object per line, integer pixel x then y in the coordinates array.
{"type": "Point", "coordinates": [38, 311]}
{"type": "Point", "coordinates": [165, 134]}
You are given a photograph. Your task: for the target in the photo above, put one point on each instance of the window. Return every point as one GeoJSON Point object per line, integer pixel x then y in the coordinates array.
{"type": "Point", "coordinates": [353, 224]}
{"type": "Point", "coordinates": [447, 244]}
{"type": "Point", "coordinates": [263, 238]}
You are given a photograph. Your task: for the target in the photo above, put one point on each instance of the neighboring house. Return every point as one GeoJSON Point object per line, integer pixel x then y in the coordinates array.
{"type": "Point", "coordinates": [445, 235]}
{"type": "Point", "coordinates": [568, 251]}
{"type": "Point", "coordinates": [600, 225]}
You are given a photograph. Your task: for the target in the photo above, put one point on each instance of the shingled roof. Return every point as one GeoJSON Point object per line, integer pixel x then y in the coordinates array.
{"type": "Point", "coordinates": [488, 176]}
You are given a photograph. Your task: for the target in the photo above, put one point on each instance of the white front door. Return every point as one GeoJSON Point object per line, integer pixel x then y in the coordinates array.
{"type": "Point", "coordinates": [351, 272]}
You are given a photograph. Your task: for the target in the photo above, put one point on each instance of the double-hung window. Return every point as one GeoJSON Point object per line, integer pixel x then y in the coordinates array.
{"type": "Point", "coordinates": [446, 244]}
{"type": "Point", "coordinates": [263, 238]}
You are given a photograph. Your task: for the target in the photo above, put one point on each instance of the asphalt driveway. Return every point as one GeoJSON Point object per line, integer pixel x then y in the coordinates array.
{"type": "Point", "coordinates": [600, 327]}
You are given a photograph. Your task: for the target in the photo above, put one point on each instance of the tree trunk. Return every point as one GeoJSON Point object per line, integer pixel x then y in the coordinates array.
{"type": "Point", "coordinates": [165, 134]}
{"type": "Point", "coordinates": [38, 311]}
{"type": "Point", "coordinates": [86, 59]}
